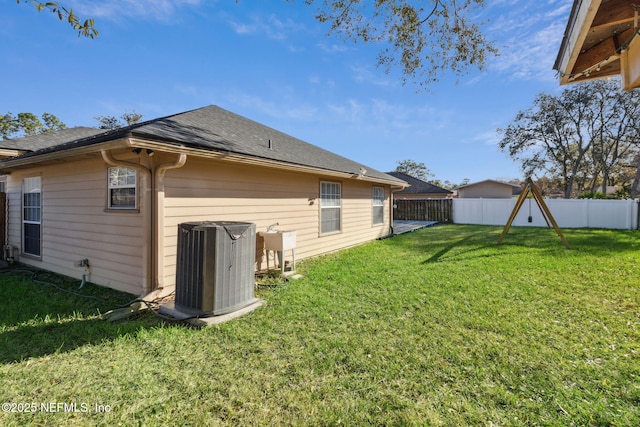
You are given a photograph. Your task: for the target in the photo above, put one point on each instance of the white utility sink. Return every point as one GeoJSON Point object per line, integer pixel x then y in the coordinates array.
{"type": "Point", "coordinates": [278, 240]}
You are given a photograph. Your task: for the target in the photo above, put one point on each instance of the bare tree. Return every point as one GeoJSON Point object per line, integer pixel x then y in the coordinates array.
{"type": "Point", "coordinates": [581, 136]}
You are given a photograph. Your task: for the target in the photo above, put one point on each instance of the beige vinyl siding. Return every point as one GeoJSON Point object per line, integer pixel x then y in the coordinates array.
{"type": "Point", "coordinates": [488, 190]}
{"type": "Point", "coordinates": [213, 190]}
{"type": "Point", "coordinates": [75, 226]}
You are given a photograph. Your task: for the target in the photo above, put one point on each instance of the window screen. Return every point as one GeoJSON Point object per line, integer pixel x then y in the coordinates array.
{"type": "Point", "coordinates": [330, 206]}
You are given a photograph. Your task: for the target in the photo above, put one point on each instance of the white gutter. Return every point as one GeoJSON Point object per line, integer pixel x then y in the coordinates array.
{"type": "Point", "coordinates": [168, 148]}
{"type": "Point", "coordinates": [62, 154]}
{"type": "Point", "coordinates": [246, 159]}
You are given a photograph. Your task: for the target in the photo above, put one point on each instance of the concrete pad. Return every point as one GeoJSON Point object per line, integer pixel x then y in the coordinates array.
{"type": "Point", "coordinates": [170, 309]}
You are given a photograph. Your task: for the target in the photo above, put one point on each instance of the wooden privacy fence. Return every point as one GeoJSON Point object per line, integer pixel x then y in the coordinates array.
{"type": "Point", "coordinates": [423, 210]}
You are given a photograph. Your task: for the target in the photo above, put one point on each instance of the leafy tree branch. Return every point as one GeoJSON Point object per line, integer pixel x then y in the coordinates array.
{"type": "Point", "coordinates": [85, 28]}
{"type": "Point", "coordinates": [28, 124]}
{"type": "Point", "coordinates": [424, 43]}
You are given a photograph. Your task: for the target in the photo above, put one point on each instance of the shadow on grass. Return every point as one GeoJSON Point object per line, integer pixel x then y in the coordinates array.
{"type": "Point", "coordinates": [457, 242]}
{"type": "Point", "coordinates": [41, 317]}
{"type": "Point", "coordinates": [603, 242]}
{"type": "Point", "coordinates": [462, 246]}
{"type": "Point", "coordinates": [25, 342]}
{"type": "Point", "coordinates": [593, 241]}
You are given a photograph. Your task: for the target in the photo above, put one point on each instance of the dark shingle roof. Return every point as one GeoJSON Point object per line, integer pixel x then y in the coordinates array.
{"type": "Point", "coordinates": [49, 139]}
{"type": "Point", "coordinates": [473, 184]}
{"type": "Point", "coordinates": [213, 128]}
{"type": "Point", "coordinates": [418, 186]}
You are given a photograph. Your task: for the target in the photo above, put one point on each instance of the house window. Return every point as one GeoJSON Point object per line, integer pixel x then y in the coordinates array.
{"type": "Point", "coordinates": [330, 206]}
{"type": "Point", "coordinates": [31, 215]}
{"type": "Point", "coordinates": [122, 188]}
{"type": "Point", "coordinates": [378, 205]}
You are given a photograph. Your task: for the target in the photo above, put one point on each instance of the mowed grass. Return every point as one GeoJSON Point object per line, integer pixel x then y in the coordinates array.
{"type": "Point", "coordinates": [436, 327]}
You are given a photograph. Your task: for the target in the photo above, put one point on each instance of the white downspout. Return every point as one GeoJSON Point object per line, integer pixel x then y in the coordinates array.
{"type": "Point", "coordinates": [147, 252]}
{"type": "Point", "coordinates": [153, 245]}
{"type": "Point", "coordinates": [392, 189]}
{"type": "Point", "coordinates": [159, 220]}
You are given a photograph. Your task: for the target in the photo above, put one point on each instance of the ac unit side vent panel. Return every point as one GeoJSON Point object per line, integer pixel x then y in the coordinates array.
{"type": "Point", "coordinates": [215, 266]}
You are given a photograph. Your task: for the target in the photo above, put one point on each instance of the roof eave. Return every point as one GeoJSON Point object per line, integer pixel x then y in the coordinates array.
{"type": "Point", "coordinates": [8, 165]}
{"type": "Point", "coordinates": [10, 152]}
{"type": "Point", "coordinates": [257, 161]}
{"type": "Point", "coordinates": [582, 14]}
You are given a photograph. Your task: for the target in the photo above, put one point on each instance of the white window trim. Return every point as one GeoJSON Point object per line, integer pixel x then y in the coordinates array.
{"type": "Point", "coordinates": [24, 191]}
{"type": "Point", "coordinates": [110, 187]}
{"type": "Point", "coordinates": [377, 203]}
{"type": "Point", "coordinates": [339, 208]}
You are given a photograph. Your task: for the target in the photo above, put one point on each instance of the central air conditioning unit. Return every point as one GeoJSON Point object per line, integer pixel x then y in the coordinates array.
{"type": "Point", "coordinates": [215, 271]}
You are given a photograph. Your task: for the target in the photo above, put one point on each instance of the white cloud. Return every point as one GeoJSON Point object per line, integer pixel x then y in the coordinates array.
{"type": "Point", "coordinates": [490, 137]}
{"type": "Point", "coordinates": [160, 10]}
{"type": "Point", "coordinates": [350, 111]}
{"type": "Point", "coordinates": [365, 74]}
{"type": "Point", "coordinates": [395, 121]}
{"type": "Point", "coordinates": [332, 48]}
{"type": "Point", "coordinates": [271, 26]}
{"type": "Point", "coordinates": [535, 32]}
{"type": "Point", "coordinates": [281, 110]}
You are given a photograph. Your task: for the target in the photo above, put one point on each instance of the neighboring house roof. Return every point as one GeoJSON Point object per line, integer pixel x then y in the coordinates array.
{"type": "Point", "coordinates": [473, 184]}
{"type": "Point", "coordinates": [597, 35]}
{"type": "Point", "coordinates": [48, 139]}
{"type": "Point", "coordinates": [418, 186]}
{"type": "Point", "coordinates": [215, 129]}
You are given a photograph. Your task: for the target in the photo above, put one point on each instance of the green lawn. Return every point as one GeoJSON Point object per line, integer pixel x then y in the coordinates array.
{"type": "Point", "coordinates": [436, 327]}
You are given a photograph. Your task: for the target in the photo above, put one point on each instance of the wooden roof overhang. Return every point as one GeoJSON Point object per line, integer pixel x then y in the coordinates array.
{"type": "Point", "coordinates": [600, 41]}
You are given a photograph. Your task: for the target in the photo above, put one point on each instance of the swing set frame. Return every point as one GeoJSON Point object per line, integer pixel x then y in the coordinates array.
{"type": "Point", "coordinates": [528, 187]}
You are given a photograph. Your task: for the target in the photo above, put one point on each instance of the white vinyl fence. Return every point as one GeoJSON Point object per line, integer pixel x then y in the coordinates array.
{"type": "Point", "coordinates": [568, 213]}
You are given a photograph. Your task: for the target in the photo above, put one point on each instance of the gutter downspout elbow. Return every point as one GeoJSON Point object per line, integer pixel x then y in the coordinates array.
{"type": "Point", "coordinates": [162, 168]}
{"type": "Point", "coordinates": [111, 161]}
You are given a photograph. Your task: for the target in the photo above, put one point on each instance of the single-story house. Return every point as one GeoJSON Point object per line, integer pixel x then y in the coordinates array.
{"type": "Point", "coordinates": [419, 189]}
{"type": "Point", "coordinates": [487, 189]}
{"type": "Point", "coordinates": [601, 40]}
{"type": "Point", "coordinates": [115, 198]}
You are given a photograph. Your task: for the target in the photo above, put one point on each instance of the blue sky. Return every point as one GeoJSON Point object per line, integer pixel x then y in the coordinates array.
{"type": "Point", "coordinates": [272, 62]}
